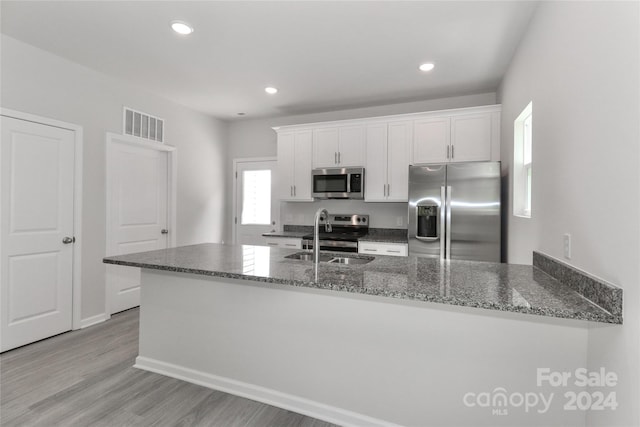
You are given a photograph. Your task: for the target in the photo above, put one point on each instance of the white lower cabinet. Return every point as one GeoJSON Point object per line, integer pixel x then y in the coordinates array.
{"type": "Point", "coordinates": [378, 248]}
{"type": "Point", "coordinates": [284, 242]}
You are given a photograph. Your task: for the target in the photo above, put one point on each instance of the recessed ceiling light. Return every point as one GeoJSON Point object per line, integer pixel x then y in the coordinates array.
{"type": "Point", "coordinates": [426, 67]}
{"type": "Point", "coordinates": [271, 90]}
{"type": "Point", "coordinates": [241, 114]}
{"type": "Point", "coordinates": [181, 28]}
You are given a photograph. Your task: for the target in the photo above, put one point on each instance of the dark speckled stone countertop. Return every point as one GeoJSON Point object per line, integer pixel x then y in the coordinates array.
{"type": "Point", "coordinates": [494, 286]}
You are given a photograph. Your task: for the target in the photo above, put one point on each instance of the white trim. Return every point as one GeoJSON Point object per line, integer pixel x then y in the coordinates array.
{"type": "Point", "coordinates": [93, 320]}
{"type": "Point", "coordinates": [76, 322]}
{"type": "Point", "coordinates": [140, 142]}
{"type": "Point", "coordinates": [522, 199]}
{"type": "Point", "coordinates": [265, 395]}
{"type": "Point", "coordinates": [234, 171]}
{"type": "Point", "coordinates": [497, 108]}
{"type": "Point", "coordinates": [172, 188]}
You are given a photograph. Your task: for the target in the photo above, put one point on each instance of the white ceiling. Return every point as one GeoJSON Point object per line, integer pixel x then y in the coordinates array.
{"type": "Point", "coordinates": [322, 55]}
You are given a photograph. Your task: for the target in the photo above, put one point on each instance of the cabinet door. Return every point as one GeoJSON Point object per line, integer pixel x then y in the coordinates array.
{"type": "Point", "coordinates": [375, 173]}
{"type": "Point", "coordinates": [398, 160]}
{"type": "Point", "coordinates": [471, 137]}
{"type": "Point", "coordinates": [390, 249]}
{"type": "Point", "coordinates": [286, 162]}
{"type": "Point", "coordinates": [431, 138]}
{"type": "Point", "coordinates": [284, 242]}
{"type": "Point", "coordinates": [351, 146]}
{"type": "Point", "coordinates": [325, 148]}
{"type": "Point", "coordinates": [301, 166]}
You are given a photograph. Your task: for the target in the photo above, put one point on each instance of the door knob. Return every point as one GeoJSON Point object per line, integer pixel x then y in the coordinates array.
{"type": "Point", "coordinates": [164, 231]}
{"type": "Point", "coordinates": [68, 240]}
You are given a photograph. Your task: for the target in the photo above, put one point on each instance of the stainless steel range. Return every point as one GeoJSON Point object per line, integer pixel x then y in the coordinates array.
{"type": "Point", "coordinates": [346, 230]}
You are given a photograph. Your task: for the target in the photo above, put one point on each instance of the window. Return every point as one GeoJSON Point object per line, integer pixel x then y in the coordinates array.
{"type": "Point", "coordinates": [256, 197]}
{"type": "Point", "coordinates": [522, 162]}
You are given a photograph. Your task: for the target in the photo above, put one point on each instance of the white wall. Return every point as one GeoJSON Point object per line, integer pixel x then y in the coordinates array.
{"type": "Point", "coordinates": [255, 138]}
{"type": "Point", "coordinates": [579, 64]}
{"type": "Point", "coordinates": [38, 82]}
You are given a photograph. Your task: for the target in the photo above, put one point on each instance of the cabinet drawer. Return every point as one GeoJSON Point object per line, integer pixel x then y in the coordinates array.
{"type": "Point", "coordinates": [390, 249]}
{"type": "Point", "coordinates": [284, 242]}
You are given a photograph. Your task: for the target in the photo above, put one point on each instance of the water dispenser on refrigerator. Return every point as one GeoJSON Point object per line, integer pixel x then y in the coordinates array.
{"type": "Point", "coordinates": [427, 222]}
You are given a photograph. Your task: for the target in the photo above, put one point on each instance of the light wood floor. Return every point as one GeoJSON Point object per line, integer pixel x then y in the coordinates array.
{"type": "Point", "coordinates": [85, 378]}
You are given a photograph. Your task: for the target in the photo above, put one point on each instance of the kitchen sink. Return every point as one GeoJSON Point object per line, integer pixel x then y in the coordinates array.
{"type": "Point", "coordinates": [350, 261]}
{"type": "Point", "coordinates": [305, 256]}
{"type": "Point", "coordinates": [333, 259]}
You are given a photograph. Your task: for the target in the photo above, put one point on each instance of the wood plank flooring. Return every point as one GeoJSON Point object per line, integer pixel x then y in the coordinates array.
{"type": "Point", "coordinates": [86, 378]}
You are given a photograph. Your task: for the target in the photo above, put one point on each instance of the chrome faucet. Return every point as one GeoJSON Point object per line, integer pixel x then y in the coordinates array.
{"type": "Point", "coordinates": [316, 233]}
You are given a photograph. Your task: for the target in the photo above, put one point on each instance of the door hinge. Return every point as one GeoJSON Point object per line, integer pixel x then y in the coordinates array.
{"type": "Point", "coordinates": [236, 220]}
{"type": "Point", "coordinates": [236, 174]}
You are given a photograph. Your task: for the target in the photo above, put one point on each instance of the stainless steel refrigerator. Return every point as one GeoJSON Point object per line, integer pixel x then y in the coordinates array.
{"type": "Point", "coordinates": [454, 211]}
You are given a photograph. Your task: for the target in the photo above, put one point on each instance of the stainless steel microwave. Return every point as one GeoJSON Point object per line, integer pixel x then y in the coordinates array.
{"type": "Point", "coordinates": [338, 183]}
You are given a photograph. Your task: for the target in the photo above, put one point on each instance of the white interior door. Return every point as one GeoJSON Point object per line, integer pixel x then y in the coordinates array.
{"type": "Point", "coordinates": [36, 231]}
{"type": "Point", "coordinates": [257, 210]}
{"type": "Point", "coordinates": [137, 204]}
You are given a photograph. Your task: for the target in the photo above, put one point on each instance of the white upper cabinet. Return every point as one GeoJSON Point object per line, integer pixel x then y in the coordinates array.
{"type": "Point", "coordinates": [388, 158]}
{"type": "Point", "coordinates": [325, 147]}
{"type": "Point", "coordinates": [339, 147]}
{"type": "Point", "coordinates": [352, 147]}
{"type": "Point", "coordinates": [385, 146]}
{"type": "Point", "coordinates": [432, 140]}
{"type": "Point", "coordinates": [294, 165]}
{"type": "Point", "coordinates": [400, 136]}
{"type": "Point", "coordinates": [470, 138]}
{"type": "Point", "coordinates": [461, 136]}
{"type": "Point", "coordinates": [375, 173]}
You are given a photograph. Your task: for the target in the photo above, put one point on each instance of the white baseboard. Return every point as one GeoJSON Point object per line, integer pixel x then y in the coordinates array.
{"type": "Point", "coordinates": [93, 320]}
{"type": "Point", "coordinates": [286, 401]}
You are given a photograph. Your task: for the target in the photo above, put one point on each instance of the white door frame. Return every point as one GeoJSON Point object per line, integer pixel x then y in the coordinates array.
{"type": "Point", "coordinates": [76, 311]}
{"type": "Point", "coordinates": [234, 212]}
{"type": "Point", "coordinates": [172, 165]}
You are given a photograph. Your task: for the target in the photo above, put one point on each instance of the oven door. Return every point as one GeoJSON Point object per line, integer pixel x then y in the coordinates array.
{"type": "Point", "coordinates": [332, 245]}
{"type": "Point", "coordinates": [330, 184]}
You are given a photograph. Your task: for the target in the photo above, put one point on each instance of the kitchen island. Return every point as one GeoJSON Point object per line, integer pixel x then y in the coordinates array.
{"type": "Point", "coordinates": [392, 341]}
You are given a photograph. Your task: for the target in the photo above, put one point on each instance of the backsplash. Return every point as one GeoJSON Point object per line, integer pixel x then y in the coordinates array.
{"type": "Point", "coordinates": [599, 292]}
{"type": "Point", "coordinates": [381, 215]}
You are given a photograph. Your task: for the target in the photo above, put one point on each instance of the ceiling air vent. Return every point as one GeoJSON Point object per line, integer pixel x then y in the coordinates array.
{"type": "Point", "coordinates": [143, 125]}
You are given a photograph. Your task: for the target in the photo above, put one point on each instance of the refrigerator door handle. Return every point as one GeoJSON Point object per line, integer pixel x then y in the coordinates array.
{"type": "Point", "coordinates": [448, 224]}
{"type": "Point", "coordinates": [442, 221]}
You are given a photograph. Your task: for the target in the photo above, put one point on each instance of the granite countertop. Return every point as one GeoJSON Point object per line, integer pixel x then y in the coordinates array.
{"type": "Point", "coordinates": [494, 286]}
{"type": "Point", "coordinates": [385, 235]}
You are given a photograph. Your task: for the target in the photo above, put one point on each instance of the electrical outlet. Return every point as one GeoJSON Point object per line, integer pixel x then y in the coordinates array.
{"type": "Point", "coordinates": [399, 221]}
{"type": "Point", "coordinates": [567, 245]}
